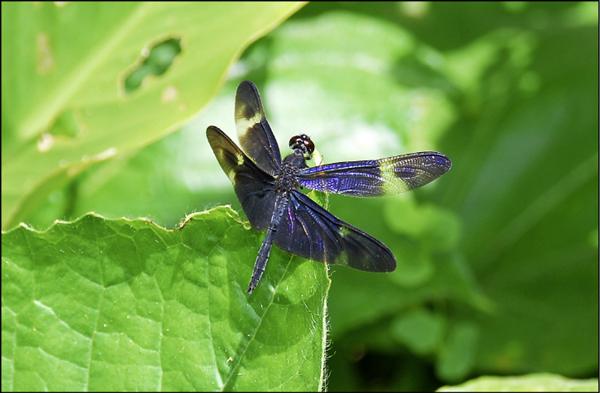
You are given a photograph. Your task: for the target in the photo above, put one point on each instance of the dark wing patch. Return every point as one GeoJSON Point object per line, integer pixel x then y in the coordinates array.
{"type": "Point", "coordinates": [254, 188]}
{"type": "Point", "coordinates": [254, 132]}
{"type": "Point", "coordinates": [376, 177]}
{"type": "Point", "coordinates": [308, 230]}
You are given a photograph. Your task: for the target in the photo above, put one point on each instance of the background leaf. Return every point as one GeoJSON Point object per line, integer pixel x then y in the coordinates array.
{"type": "Point", "coordinates": [65, 65]}
{"type": "Point", "coordinates": [525, 383]}
{"type": "Point", "coordinates": [128, 305]}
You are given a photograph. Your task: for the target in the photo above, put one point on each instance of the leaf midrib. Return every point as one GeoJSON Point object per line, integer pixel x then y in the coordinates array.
{"type": "Point", "coordinates": [226, 387]}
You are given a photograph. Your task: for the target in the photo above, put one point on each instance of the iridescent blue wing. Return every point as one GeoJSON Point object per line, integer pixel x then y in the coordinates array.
{"type": "Point", "coordinates": [254, 132]}
{"type": "Point", "coordinates": [308, 230]}
{"type": "Point", "coordinates": [376, 177]}
{"type": "Point", "coordinates": [254, 188]}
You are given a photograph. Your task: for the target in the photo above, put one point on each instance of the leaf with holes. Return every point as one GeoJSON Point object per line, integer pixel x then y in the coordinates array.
{"type": "Point", "coordinates": [100, 304]}
{"type": "Point", "coordinates": [134, 73]}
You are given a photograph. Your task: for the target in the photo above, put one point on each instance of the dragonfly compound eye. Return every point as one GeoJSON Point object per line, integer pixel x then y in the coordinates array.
{"type": "Point", "coordinates": [310, 146]}
{"type": "Point", "coordinates": [296, 141]}
{"type": "Point", "coordinates": [303, 142]}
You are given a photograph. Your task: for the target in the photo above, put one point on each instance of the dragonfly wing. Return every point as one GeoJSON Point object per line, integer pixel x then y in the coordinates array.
{"type": "Point", "coordinates": [254, 188]}
{"type": "Point", "coordinates": [376, 177]}
{"type": "Point", "coordinates": [254, 132]}
{"type": "Point", "coordinates": [308, 230]}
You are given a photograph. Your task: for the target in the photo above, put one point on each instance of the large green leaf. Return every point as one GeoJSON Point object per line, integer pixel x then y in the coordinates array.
{"type": "Point", "coordinates": [97, 304]}
{"type": "Point", "coordinates": [65, 104]}
{"type": "Point", "coordinates": [525, 383]}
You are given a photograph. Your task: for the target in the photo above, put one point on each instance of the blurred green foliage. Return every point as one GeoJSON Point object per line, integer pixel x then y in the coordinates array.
{"type": "Point", "coordinates": [497, 260]}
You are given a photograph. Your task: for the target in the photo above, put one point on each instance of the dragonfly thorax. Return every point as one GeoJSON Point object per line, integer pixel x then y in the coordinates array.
{"type": "Point", "coordinates": [291, 165]}
{"type": "Point", "coordinates": [286, 180]}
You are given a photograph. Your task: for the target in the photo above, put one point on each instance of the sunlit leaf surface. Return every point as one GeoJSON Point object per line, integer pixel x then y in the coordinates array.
{"type": "Point", "coordinates": [127, 305]}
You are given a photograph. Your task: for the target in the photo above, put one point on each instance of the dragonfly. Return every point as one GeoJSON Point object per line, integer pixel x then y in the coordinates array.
{"type": "Point", "coordinates": [269, 189]}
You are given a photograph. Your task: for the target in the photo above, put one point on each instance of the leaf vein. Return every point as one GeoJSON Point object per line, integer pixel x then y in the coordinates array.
{"type": "Point", "coordinates": [258, 326]}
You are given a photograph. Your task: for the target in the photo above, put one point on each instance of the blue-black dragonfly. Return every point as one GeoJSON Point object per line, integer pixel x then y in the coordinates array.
{"type": "Point", "coordinates": [269, 190]}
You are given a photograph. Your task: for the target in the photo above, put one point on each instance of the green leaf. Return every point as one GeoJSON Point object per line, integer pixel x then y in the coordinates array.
{"type": "Point", "coordinates": [420, 330]}
{"type": "Point", "coordinates": [100, 304]}
{"type": "Point", "coordinates": [525, 383]}
{"type": "Point", "coordinates": [438, 228]}
{"type": "Point", "coordinates": [66, 106]}
{"type": "Point", "coordinates": [457, 354]}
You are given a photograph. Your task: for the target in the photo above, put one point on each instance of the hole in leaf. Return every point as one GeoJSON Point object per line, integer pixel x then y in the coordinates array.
{"type": "Point", "coordinates": [66, 124]}
{"type": "Point", "coordinates": [156, 62]}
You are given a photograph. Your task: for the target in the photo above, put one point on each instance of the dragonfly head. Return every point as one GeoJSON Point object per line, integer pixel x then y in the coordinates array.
{"type": "Point", "coordinates": [303, 143]}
